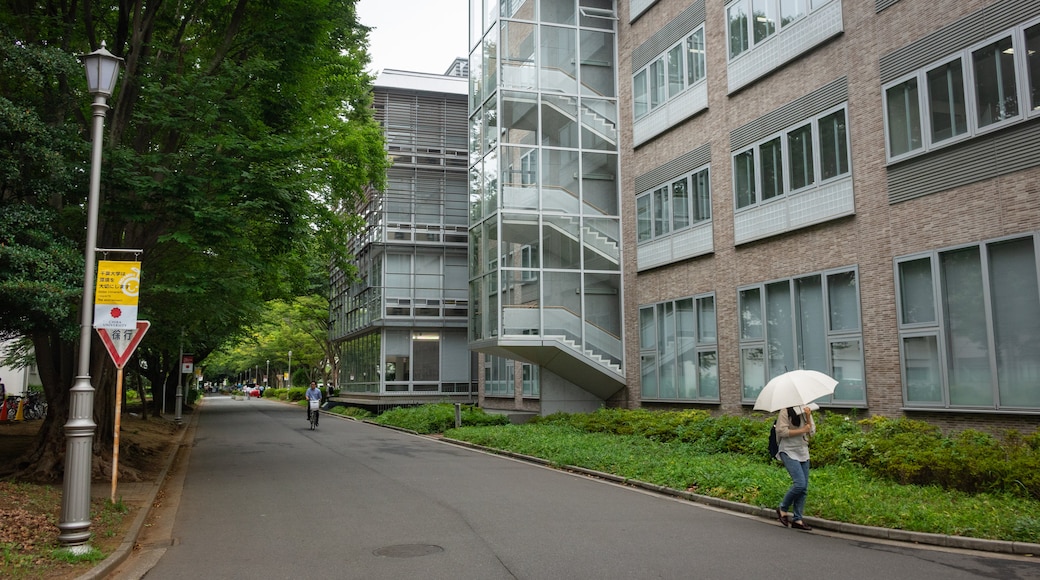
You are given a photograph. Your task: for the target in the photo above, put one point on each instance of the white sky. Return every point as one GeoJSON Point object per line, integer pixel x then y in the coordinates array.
{"type": "Point", "coordinates": [415, 35]}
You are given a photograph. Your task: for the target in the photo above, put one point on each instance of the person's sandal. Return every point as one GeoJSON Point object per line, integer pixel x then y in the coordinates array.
{"type": "Point", "coordinates": [782, 518]}
{"type": "Point", "coordinates": [800, 525]}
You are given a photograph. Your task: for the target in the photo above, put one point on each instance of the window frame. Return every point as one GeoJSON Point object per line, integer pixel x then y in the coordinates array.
{"type": "Point", "coordinates": [939, 327]}
{"type": "Point", "coordinates": [651, 354]}
{"type": "Point", "coordinates": [643, 107]}
{"type": "Point", "coordinates": [784, 137]}
{"type": "Point", "coordinates": [760, 341]}
{"type": "Point", "coordinates": [666, 189]}
{"type": "Point", "coordinates": [779, 25]}
{"type": "Point", "coordinates": [969, 93]}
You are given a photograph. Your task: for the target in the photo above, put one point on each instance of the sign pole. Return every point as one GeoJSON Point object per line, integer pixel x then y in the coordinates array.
{"type": "Point", "coordinates": [115, 441]}
{"type": "Point", "coordinates": [120, 344]}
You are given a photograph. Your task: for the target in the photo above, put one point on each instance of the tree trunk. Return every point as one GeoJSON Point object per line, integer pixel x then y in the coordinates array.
{"type": "Point", "coordinates": [57, 361]}
{"type": "Point", "coordinates": [141, 394]}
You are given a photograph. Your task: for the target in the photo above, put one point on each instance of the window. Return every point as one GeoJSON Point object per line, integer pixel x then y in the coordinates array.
{"type": "Point", "coordinates": [789, 161]}
{"type": "Point", "coordinates": [969, 325]}
{"type": "Point", "coordinates": [800, 151]}
{"type": "Point", "coordinates": [679, 350]}
{"type": "Point", "coordinates": [808, 322]}
{"type": "Point", "coordinates": [995, 91]}
{"type": "Point", "coordinates": [767, 18]}
{"type": "Point", "coordinates": [640, 97]}
{"type": "Point", "coordinates": [1033, 65]}
{"type": "Point", "coordinates": [963, 94]}
{"type": "Point", "coordinates": [669, 74]}
{"type": "Point", "coordinates": [676, 206]}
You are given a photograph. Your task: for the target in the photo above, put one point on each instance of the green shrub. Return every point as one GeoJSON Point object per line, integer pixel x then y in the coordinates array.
{"type": "Point", "coordinates": [356, 412]}
{"type": "Point", "coordinates": [295, 394]}
{"type": "Point", "coordinates": [838, 438]}
{"type": "Point", "coordinates": [437, 418]}
{"type": "Point", "coordinates": [902, 450]}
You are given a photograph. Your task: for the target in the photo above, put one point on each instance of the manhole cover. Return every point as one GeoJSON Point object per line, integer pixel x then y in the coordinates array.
{"type": "Point", "coordinates": [408, 550]}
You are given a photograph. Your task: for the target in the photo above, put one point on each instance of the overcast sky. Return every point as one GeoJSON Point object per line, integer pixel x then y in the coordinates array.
{"type": "Point", "coordinates": [415, 35]}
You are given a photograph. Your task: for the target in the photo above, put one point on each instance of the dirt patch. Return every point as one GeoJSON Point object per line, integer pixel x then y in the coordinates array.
{"type": "Point", "coordinates": [29, 513]}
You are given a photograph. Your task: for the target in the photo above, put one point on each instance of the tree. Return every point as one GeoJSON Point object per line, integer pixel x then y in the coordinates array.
{"type": "Point", "coordinates": [300, 325]}
{"type": "Point", "coordinates": [238, 139]}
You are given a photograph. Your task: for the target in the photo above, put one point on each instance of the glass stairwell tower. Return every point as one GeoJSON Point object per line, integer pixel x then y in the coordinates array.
{"type": "Point", "coordinates": [545, 231]}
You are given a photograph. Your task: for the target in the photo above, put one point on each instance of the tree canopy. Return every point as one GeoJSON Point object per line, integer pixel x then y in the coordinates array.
{"type": "Point", "coordinates": [239, 138]}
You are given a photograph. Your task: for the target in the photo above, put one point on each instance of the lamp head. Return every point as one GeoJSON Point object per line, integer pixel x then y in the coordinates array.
{"type": "Point", "coordinates": [102, 71]}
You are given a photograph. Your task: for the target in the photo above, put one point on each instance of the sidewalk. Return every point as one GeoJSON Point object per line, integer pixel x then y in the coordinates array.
{"type": "Point", "coordinates": [142, 495]}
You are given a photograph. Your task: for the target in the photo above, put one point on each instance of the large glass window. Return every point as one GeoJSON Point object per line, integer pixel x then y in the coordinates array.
{"type": "Point", "coordinates": [764, 12]}
{"type": "Point", "coordinates": [678, 350]}
{"type": "Point", "coordinates": [834, 146]}
{"type": "Point", "coordinates": [695, 57]}
{"type": "Point", "coordinates": [903, 114]}
{"type": "Point", "coordinates": [772, 163]}
{"type": "Point", "coordinates": [1033, 65]}
{"type": "Point", "coordinates": [981, 347]}
{"type": "Point", "coordinates": [737, 19]}
{"type": "Point", "coordinates": [673, 207]}
{"type": "Point", "coordinates": [744, 178]}
{"type": "Point", "coordinates": [640, 94]}
{"type": "Point", "coordinates": [808, 322]}
{"type": "Point", "coordinates": [946, 101]}
{"type": "Point", "coordinates": [800, 151]}
{"type": "Point", "coordinates": [951, 108]}
{"type": "Point", "coordinates": [792, 151]}
{"type": "Point", "coordinates": [995, 88]}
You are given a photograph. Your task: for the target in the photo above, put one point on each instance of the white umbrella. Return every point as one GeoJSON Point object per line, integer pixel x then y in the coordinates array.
{"type": "Point", "coordinates": [794, 389]}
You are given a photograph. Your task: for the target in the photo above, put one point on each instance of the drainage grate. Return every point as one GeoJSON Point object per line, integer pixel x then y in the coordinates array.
{"type": "Point", "coordinates": [408, 550]}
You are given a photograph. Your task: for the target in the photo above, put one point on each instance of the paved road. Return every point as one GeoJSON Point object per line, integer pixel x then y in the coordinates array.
{"type": "Point", "coordinates": [265, 497]}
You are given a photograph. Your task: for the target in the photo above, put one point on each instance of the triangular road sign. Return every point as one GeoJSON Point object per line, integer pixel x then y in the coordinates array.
{"type": "Point", "coordinates": [121, 343]}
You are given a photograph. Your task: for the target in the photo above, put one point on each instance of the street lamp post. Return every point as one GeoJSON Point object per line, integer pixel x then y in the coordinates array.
{"type": "Point", "coordinates": [267, 375]}
{"type": "Point", "coordinates": [290, 369]}
{"type": "Point", "coordinates": [102, 69]}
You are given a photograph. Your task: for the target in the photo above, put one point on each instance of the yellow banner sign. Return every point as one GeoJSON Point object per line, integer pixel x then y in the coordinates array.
{"type": "Point", "coordinates": [115, 295]}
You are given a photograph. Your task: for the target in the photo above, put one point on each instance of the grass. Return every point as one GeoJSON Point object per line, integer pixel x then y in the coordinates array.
{"type": "Point", "coordinates": [838, 492]}
{"type": "Point", "coordinates": [28, 533]}
{"type": "Point", "coordinates": [29, 512]}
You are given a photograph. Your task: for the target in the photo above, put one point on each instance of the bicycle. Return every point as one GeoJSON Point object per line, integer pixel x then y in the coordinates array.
{"type": "Point", "coordinates": [35, 406]}
{"type": "Point", "coordinates": [313, 405]}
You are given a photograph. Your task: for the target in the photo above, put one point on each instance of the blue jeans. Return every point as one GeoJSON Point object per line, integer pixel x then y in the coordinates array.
{"type": "Point", "coordinates": [795, 496]}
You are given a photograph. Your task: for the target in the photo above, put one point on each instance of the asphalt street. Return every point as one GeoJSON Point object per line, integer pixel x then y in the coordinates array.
{"type": "Point", "coordinates": [262, 496]}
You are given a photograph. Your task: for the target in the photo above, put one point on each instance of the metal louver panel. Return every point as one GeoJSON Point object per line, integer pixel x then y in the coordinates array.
{"type": "Point", "coordinates": [800, 109]}
{"type": "Point", "coordinates": [673, 32]}
{"type": "Point", "coordinates": [977, 160]}
{"type": "Point", "coordinates": [880, 5]}
{"type": "Point", "coordinates": [681, 165]}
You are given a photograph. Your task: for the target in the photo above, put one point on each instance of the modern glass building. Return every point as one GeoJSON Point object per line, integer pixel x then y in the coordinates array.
{"type": "Point", "coordinates": [400, 325]}
{"type": "Point", "coordinates": [545, 275]}
{"type": "Point", "coordinates": [672, 202]}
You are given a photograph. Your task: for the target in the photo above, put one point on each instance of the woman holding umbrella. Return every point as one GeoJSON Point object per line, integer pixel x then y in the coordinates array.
{"type": "Point", "coordinates": [793, 429]}
{"type": "Point", "coordinates": [792, 394]}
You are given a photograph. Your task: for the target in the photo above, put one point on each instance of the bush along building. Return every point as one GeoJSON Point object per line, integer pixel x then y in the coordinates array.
{"type": "Point", "coordinates": [671, 203]}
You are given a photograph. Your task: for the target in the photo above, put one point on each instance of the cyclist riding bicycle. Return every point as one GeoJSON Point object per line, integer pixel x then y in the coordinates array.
{"type": "Point", "coordinates": [313, 393]}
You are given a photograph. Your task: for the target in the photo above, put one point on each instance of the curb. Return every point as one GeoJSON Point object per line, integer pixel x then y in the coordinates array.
{"type": "Point", "coordinates": [121, 553]}
{"type": "Point", "coordinates": [929, 539]}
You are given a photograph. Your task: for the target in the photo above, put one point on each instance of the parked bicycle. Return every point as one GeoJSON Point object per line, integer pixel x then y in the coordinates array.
{"type": "Point", "coordinates": [35, 406]}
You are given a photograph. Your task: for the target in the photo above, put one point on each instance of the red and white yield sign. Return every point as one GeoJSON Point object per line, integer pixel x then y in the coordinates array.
{"type": "Point", "coordinates": [121, 343]}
